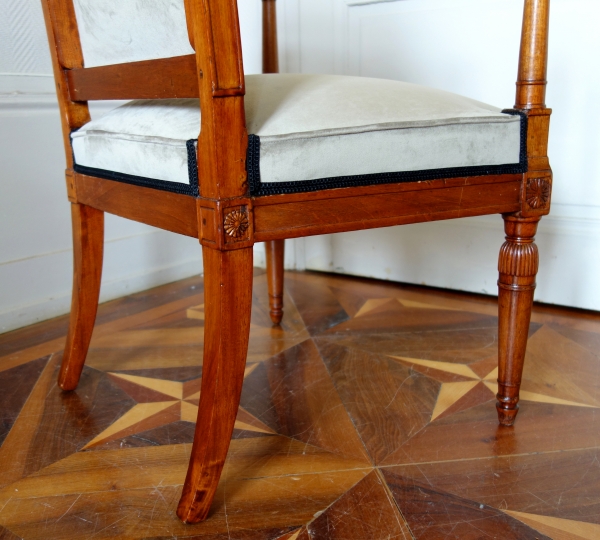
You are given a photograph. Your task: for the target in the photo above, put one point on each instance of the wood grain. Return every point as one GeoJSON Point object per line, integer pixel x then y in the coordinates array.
{"type": "Point", "coordinates": [228, 301]}
{"type": "Point", "coordinates": [88, 250]}
{"type": "Point", "coordinates": [518, 265]}
{"type": "Point", "coordinates": [223, 138]}
{"type": "Point", "coordinates": [65, 50]}
{"type": "Point", "coordinates": [533, 59]}
{"type": "Point", "coordinates": [215, 74]}
{"type": "Point", "coordinates": [383, 353]}
{"type": "Point", "coordinates": [347, 213]}
{"type": "Point", "coordinates": [150, 79]}
{"type": "Point", "coordinates": [377, 516]}
{"type": "Point", "coordinates": [270, 50]}
{"type": "Point", "coordinates": [275, 253]}
{"type": "Point", "coordinates": [274, 249]}
{"type": "Point", "coordinates": [166, 210]}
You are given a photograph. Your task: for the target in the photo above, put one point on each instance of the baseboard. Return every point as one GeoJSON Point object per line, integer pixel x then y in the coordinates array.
{"type": "Point", "coordinates": [462, 255]}
{"type": "Point", "coordinates": [294, 255]}
{"type": "Point", "coordinates": [118, 279]}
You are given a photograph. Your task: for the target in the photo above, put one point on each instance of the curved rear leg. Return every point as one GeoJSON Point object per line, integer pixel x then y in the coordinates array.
{"type": "Point", "coordinates": [275, 251]}
{"type": "Point", "coordinates": [228, 302]}
{"type": "Point", "coordinates": [88, 246]}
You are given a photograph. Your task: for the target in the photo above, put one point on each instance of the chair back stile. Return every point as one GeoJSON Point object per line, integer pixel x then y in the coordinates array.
{"type": "Point", "coordinates": [65, 49]}
{"type": "Point", "coordinates": [270, 59]}
{"type": "Point", "coordinates": [223, 141]}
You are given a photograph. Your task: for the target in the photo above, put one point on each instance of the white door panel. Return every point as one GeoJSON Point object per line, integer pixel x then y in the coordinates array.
{"type": "Point", "coordinates": [469, 47]}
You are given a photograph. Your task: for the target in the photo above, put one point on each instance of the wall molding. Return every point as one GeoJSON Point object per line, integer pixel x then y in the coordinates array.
{"type": "Point", "coordinates": [34, 103]}
{"type": "Point", "coordinates": [367, 2]}
{"type": "Point", "coordinates": [26, 83]}
{"type": "Point", "coordinates": [466, 253]}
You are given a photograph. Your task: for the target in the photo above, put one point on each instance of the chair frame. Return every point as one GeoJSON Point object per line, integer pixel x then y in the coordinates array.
{"type": "Point", "coordinates": [228, 221]}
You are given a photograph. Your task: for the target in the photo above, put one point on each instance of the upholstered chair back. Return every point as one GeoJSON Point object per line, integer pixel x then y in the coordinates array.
{"type": "Point", "coordinates": [119, 31]}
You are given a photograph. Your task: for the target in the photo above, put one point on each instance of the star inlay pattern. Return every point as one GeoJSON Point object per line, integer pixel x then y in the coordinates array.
{"type": "Point", "coordinates": [369, 413]}
{"type": "Point", "coordinates": [463, 385]}
{"type": "Point", "coordinates": [162, 402]}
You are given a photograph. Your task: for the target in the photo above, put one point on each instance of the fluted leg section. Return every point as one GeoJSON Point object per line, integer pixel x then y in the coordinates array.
{"type": "Point", "coordinates": [275, 251]}
{"type": "Point", "coordinates": [518, 265]}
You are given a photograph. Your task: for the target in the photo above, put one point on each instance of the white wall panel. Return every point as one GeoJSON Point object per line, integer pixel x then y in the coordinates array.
{"type": "Point", "coordinates": [35, 228]}
{"type": "Point", "coordinates": [23, 45]}
{"type": "Point", "coordinates": [471, 47]}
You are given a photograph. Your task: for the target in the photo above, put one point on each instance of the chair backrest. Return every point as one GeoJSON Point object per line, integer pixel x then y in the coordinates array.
{"type": "Point", "coordinates": [120, 31]}
{"type": "Point", "coordinates": [128, 49]}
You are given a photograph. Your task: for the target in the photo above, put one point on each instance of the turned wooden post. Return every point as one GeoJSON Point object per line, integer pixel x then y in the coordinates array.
{"type": "Point", "coordinates": [274, 249]}
{"type": "Point", "coordinates": [533, 57]}
{"type": "Point", "coordinates": [269, 35]}
{"type": "Point", "coordinates": [518, 265]}
{"type": "Point", "coordinates": [519, 259]}
{"type": "Point", "coordinates": [275, 254]}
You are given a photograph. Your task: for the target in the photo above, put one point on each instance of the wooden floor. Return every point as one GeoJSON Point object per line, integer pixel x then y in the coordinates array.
{"type": "Point", "coordinates": [369, 415]}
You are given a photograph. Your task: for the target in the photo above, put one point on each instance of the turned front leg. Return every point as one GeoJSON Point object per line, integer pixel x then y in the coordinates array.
{"type": "Point", "coordinates": [518, 266]}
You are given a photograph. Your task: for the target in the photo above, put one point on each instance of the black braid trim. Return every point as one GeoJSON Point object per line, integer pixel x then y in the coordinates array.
{"type": "Point", "coordinates": [163, 185]}
{"type": "Point", "coordinates": [253, 164]}
{"type": "Point", "coordinates": [524, 127]}
{"type": "Point", "coordinates": [193, 166]}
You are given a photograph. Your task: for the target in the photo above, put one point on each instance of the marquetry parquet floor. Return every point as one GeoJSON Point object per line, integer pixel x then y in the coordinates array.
{"type": "Point", "coordinates": [368, 415]}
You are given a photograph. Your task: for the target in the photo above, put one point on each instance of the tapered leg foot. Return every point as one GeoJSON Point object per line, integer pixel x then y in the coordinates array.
{"type": "Point", "coordinates": [507, 412]}
{"type": "Point", "coordinates": [88, 246]}
{"type": "Point", "coordinates": [228, 302]}
{"type": "Point", "coordinates": [275, 251]}
{"type": "Point", "coordinates": [518, 266]}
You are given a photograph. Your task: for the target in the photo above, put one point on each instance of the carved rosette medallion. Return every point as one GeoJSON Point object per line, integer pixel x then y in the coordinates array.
{"type": "Point", "coordinates": [538, 193]}
{"type": "Point", "coordinates": [236, 223]}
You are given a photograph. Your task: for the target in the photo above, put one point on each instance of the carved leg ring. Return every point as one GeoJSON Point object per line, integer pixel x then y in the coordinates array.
{"type": "Point", "coordinates": [518, 266]}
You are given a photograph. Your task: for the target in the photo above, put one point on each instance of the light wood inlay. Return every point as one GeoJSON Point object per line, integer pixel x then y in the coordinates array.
{"type": "Point", "coordinates": [560, 529]}
{"type": "Point", "coordinates": [406, 392]}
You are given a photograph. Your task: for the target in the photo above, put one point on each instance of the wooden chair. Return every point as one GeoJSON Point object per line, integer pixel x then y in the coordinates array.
{"type": "Point", "coordinates": [393, 154]}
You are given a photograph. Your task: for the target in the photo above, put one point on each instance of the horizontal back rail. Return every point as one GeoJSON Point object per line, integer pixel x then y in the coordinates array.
{"type": "Point", "coordinates": [150, 79]}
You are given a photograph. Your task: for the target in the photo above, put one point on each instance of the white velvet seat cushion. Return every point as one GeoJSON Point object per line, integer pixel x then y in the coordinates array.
{"type": "Point", "coordinates": [313, 127]}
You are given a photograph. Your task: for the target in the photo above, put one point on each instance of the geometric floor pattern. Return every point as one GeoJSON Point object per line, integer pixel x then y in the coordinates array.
{"type": "Point", "coordinates": [369, 414]}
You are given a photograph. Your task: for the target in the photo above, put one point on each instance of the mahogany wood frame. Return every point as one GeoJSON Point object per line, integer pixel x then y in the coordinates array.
{"type": "Point", "coordinates": [227, 221]}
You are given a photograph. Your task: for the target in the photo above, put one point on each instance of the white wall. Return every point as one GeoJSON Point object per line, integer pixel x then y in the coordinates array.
{"type": "Point", "coordinates": [469, 47]}
{"type": "Point", "coordinates": [35, 228]}
{"type": "Point", "coordinates": [466, 46]}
